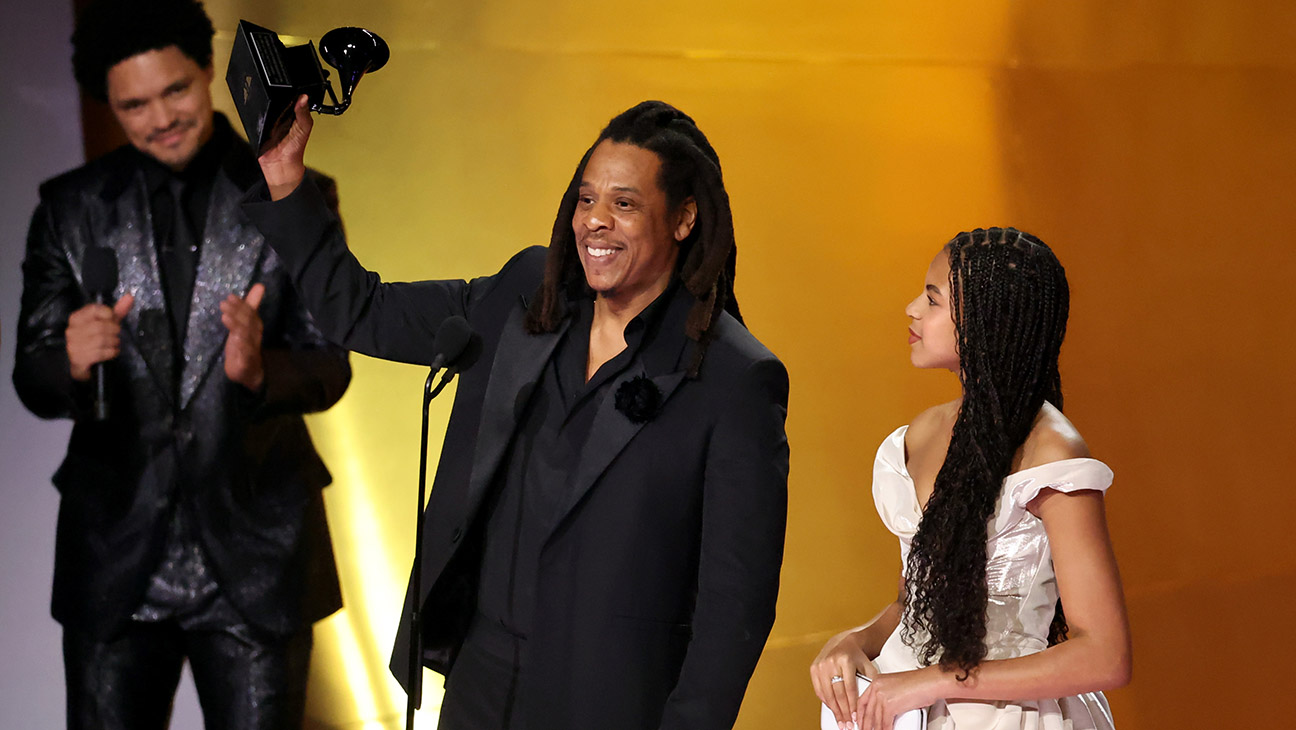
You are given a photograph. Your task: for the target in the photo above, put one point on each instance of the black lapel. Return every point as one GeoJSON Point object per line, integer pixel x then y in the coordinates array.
{"type": "Point", "coordinates": [519, 360]}
{"type": "Point", "coordinates": [610, 433]}
{"type": "Point", "coordinates": [664, 361]}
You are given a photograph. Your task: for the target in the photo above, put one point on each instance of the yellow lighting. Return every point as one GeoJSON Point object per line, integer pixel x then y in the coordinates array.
{"type": "Point", "coordinates": [1149, 143]}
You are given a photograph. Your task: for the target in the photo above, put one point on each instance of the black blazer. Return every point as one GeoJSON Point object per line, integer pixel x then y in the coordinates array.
{"type": "Point", "coordinates": [242, 464]}
{"type": "Point", "coordinates": [657, 587]}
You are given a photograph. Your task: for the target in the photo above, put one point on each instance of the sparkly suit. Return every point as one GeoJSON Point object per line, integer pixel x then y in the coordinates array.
{"type": "Point", "coordinates": [191, 522]}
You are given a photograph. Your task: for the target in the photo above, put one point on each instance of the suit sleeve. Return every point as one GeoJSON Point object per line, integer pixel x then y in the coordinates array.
{"type": "Point", "coordinates": [304, 372]}
{"type": "Point", "coordinates": [352, 306]}
{"type": "Point", "coordinates": [744, 519]}
{"type": "Point", "coordinates": [51, 292]}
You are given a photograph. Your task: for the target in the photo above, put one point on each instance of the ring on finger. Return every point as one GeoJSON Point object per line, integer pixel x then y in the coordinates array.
{"type": "Point", "coordinates": [837, 678]}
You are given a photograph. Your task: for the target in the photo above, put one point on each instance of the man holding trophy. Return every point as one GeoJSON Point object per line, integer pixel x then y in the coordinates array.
{"type": "Point", "coordinates": [605, 531]}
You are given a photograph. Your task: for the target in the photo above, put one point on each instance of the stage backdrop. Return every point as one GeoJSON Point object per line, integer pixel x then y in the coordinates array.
{"type": "Point", "coordinates": [1149, 143]}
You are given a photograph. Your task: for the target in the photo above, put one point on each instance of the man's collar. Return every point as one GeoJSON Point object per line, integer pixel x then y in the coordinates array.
{"type": "Point", "coordinates": [648, 319]}
{"type": "Point", "coordinates": [210, 155]}
{"type": "Point", "coordinates": [657, 332]}
{"type": "Point", "coordinates": [666, 342]}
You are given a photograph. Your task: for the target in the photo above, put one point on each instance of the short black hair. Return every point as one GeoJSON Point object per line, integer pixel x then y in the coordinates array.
{"type": "Point", "coordinates": [111, 31]}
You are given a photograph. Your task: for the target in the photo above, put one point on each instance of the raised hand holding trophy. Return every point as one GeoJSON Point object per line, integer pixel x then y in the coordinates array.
{"type": "Point", "coordinates": [265, 77]}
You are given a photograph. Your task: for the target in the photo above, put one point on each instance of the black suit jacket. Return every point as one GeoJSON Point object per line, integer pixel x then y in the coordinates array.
{"type": "Point", "coordinates": [242, 464]}
{"type": "Point", "coordinates": [657, 587]}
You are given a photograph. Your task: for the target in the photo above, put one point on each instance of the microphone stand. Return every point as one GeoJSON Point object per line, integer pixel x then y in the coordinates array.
{"type": "Point", "coordinates": [414, 699]}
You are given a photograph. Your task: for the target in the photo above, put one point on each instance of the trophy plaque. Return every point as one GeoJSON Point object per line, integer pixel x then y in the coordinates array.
{"type": "Point", "coordinates": [266, 77]}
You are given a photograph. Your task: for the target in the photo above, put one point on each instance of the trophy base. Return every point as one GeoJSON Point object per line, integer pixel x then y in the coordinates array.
{"type": "Point", "coordinates": [266, 78]}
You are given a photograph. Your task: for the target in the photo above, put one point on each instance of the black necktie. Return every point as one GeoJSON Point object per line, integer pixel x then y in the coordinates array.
{"type": "Point", "coordinates": [179, 263]}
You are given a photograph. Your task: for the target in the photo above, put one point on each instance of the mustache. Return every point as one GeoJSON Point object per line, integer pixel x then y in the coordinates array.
{"type": "Point", "coordinates": [597, 238]}
{"type": "Point", "coordinates": [174, 127]}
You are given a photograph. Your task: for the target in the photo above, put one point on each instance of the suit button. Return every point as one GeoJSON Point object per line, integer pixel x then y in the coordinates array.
{"type": "Point", "coordinates": [454, 536]}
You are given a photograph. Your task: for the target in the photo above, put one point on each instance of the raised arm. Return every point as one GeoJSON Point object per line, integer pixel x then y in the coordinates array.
{"type": "Point", "coordinates": [304, 372]}
{"type": "Point", "coordinates": [352, 306]}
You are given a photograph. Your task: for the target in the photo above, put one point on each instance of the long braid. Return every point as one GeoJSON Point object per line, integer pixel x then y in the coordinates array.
{"type": "Point", "coordinates": [689, 168]}
{"type": "Point", "coordinates": [1009, 300]}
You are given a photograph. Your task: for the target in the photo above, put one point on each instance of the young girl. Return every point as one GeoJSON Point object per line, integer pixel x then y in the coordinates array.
{"type": "Point", "coordinates": [999, 511]}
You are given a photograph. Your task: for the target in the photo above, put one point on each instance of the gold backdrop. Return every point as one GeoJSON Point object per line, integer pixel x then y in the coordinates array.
{"type": "Point", "coordinates": [1150, 143]}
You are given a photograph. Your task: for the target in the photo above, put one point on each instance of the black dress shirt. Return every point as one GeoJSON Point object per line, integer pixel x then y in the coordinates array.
{"type": "Point", "coordinates": [178, 237]}
{"type": "Point", "coordinates": [534, 478]}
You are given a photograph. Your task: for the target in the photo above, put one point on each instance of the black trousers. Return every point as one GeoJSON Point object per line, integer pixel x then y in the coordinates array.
{"type": "Point", "coordinates": [244, 682]}
{"type": "Point", "coordinates": [481, 692]}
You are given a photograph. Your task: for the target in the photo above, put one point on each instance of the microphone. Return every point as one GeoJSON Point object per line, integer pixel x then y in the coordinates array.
{"type": "Point", "coordinates": [452, 338]}
{"type": "Point", "coordinates": [457, 348]}
{"type": "Point", "coordinates": [99, 275]}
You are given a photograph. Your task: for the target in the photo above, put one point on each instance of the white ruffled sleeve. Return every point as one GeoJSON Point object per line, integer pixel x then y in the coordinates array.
{"type": "Point", "coordinates": [1068, 475]}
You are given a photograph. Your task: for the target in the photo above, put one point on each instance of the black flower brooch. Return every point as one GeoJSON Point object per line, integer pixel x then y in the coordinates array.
{"type": "Point", "coordinates": [639, 399]}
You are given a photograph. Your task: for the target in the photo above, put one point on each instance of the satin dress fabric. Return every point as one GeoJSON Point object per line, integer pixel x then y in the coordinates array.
{"type": "Point", "coordinates": [1023, 590]}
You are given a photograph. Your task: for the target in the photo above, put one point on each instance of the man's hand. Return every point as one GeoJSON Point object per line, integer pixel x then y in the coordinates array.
{"type": "Point", "coordinates": [284, 165]}
{"type": "Point", "coordinates": [243, 346]}
{"type": "Point", "coordinates": [94, 335]}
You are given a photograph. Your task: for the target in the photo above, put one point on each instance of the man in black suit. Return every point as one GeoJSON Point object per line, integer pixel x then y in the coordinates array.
{"type": "Point", "coordinates": [605, 530]}
{"type": "Point", "coordinates": [191, 524]}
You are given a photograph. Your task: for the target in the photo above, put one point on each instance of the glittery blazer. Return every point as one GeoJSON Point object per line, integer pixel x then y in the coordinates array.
{"type": "Point", "coordinates": [240, 464]}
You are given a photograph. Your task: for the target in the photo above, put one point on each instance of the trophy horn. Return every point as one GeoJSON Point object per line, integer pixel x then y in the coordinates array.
{"type": "Point", "coordinates": [354, 52]}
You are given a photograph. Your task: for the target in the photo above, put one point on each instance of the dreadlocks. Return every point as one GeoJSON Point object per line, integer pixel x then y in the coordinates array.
{"type": "Point", "coordinates": [1009, 301]}
{"type": "Point", "coordinates": [689, 168]}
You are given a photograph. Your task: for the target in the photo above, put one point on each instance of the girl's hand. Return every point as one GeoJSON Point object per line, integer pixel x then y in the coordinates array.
{"type": "Point", "coordinates": [833, 675]}
{"type": "Point", "coordinates": [891, 695]}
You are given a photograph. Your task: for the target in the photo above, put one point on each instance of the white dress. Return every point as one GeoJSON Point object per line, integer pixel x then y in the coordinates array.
{"type": "Point", "coordinates": [1023, 589]}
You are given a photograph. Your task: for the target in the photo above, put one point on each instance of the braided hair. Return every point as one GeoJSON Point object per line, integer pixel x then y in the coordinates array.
{"type": "Point", "coordinates": [1009, 300]}
{"type": "Point", "coordinates": [689, 168]}
{"type": "Point", "coordinates": [111, 31]}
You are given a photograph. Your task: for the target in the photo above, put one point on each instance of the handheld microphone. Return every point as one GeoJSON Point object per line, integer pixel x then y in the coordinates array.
{"type": "Point", "coordinates": [99, 275]}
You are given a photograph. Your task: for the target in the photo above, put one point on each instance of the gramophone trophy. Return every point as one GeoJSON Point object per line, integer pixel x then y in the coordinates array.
{"type": "Point", "coordinates": [265, 77]}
